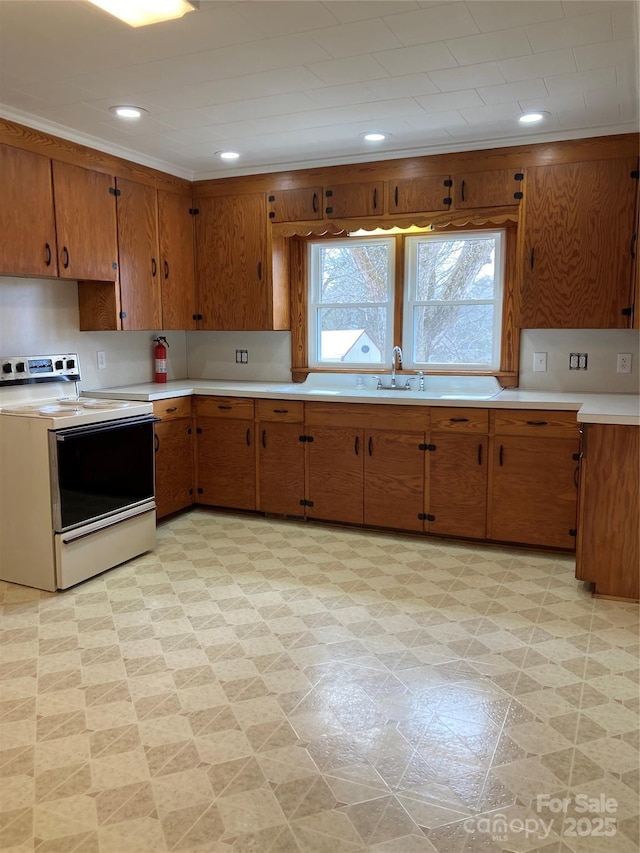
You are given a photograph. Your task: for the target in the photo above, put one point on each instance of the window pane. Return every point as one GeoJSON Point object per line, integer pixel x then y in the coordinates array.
{"type": "Point", "coordinates": [354, 273]}
{"type": "Point", "coordinates": [453, 334]}
{"type": "Point", "coordinates": [352, 335]}
{"type": "Point", "coordinates": [456, 269]}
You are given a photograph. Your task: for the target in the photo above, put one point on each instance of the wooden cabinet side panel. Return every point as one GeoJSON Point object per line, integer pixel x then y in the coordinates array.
{"type": "Point", "coordinates": [138, 251]}
{"type": "Point", "coordinates": [226, 465]}
{"type": "Point", "coordinates": [394, 479]}
{"type": "Point", "coordinates": [608, 552]}
{"type": "Point", "coordinates": [85, 213]}
{"type": "Point", "coordinates": [335, 474]}
{"type": "Point", "coordinates": [280, 467]}
{"type": "Point", "coordinates": [176, 266]}
{"type": "Point", "coordinates": [458, 484]}
{"type": "Point", "coordinates": [27, 226]}
{"type": "Point", "coordinates": [577, 264]}
{"type": "Point", "coordinates": [174, 466]}
{"type": "Point", "coordinates": [533, 492]}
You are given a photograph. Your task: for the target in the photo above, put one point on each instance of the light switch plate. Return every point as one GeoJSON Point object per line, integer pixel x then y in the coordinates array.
{"type": "Point", "coordinates": [539, 362]}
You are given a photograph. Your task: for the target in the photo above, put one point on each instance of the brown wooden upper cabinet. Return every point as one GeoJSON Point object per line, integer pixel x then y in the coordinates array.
{"type": "Point", "coordinates": [85, 209]}
{"type": "Point", "coordinates": [345, 200]}
{"type": "Point", "coordinates": [493, 188]}
{"type": "Point", "coordinates": [27, 225]}
{"type": "Point", "coordinates": [138, 249]}
{"type": "Point", "coordinates": [420, 194]}
{"type": "Point", "coordinates": [578, 247]}
{"type": "Point", "coordinates": [295, 205]}
{"type": "Point", "coordinates": [241, 284]}
{"type": "Point", "coordinates": [176, 262]}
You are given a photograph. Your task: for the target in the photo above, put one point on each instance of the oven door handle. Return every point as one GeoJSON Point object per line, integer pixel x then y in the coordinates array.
{"type": "Point", "coordinates": [107, 426]}
{"type": "Point", "coordinates": [69, 539]}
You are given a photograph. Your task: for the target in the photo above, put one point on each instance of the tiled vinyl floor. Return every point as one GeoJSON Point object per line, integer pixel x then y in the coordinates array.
{"type": "Point", "coordinates": [265, 685]}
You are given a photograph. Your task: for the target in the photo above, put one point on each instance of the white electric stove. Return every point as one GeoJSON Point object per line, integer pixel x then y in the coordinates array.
{"type": "Point", "coordinates": [77, 477]}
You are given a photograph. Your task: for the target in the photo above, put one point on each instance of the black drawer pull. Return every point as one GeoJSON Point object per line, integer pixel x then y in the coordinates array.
{"type": "Point", "coordinates": [264, 438]}
{"type": "Point", "coordinates": [459, 420]}
{"type": "Point", "coordinates": [375, 199]}
{"type": "Point", "coordinates": [154, 267]}
{"type": "Point", "coordinates": [225, 408]}
{"type": "Point", "coordinates": [356, 446]}
{"type": "Point", "coordinates": [532, 258]}
{"type": "Point", "coordinates": [537, 423]}
{"type": "Point", "coordinates": [47, 255]}
{"type": "Point", "coordinates": [166, 269]}
{"type": "Point", "coordinates": [500, 455]}
{"type": "Point", "coordinates": [281, 411]}
{"type": "Point", "coordinates": [479, 454]}
{"type": "Point", "coordinates": [314, 203]}
{"type": "Point", "coordinates": [248, 436]}
{"type": "Point", "coordinates": [395, 196]}
{"type": "Point", "coordinates": [172, 409]}
{"type": "Point", "coordinates": [370, 445]}
{"type": "Point", "coordinates": [259, 270]}
{"type": "Point", "coordinates": [65, 256]}
{"type": "Point", "coordinates": [462, 189]}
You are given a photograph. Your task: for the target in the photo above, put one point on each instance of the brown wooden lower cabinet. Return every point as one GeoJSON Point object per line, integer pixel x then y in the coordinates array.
{"type": "Point", "coordinates": [457, 494]}
{"type": "Point", "coordinates": [335, 473]}
{"type": "Point", "coordinates": [394, 479]}
{"type": "Point", "coordinates": [226, 463]}
{"type": "Point", "coordinates": [608, 548]}
{"type": "Point", "coordinates": [174, 465]}
{"type": "Point", "coordinates": [280, 468]}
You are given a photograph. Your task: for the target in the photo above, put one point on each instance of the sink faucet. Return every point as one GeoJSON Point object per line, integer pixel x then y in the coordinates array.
{"type": "Point", "coordinates": [396, 351]}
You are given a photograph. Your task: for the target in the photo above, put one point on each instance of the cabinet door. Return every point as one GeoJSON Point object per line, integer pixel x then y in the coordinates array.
{"type": "Point", "coordinates": [174, 465]}
{"type": "Point", "coordinates": [335, 474]}
{"type": "Point", "coordinates": [225, 463]}
{"type": "Point", "coordinates": [420, 194]}
{"type": "Point", "coordinates": [138, 249]}
{"type": "Point", "coordinates": [494, 188]}
{"type": "Point", "coordinates": [577, 263]}
{"type": "Point", "coordinates": [280, 468]}
{"type": "Point", "coordinates": [533, 491]}
{"type": "Point", "coordinates": [394, 479]}
{"type": "Point", "coordinates": [85, 208]}
{"type": "Point", "coordinates": [295, 205]}
{"type": "Point", "coordinates": [176, 267]}
{"type": "Point", "coordinates": [28, 244]}
{"type": "Point", "coordinates": [364, 199]}
{"type": "Point", "coordinates": [457, 498]}
{"type": "Point", "coordinates": [233, 276]}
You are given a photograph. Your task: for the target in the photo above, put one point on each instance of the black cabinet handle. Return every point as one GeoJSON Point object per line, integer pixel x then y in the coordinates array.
{"type": "Point", "coordinates": [532, 258]}
{"type": "Point", "coordinates": [172, 409]}
{"type": "Point", "coordinates": [500, 454]}
{"type": "Point", "coordinates": [459, 420]}
{"type": "Point", "coordinates": [65, 257]}
{"type": "Point", "coordinates": [157, 442]}
{"type": "Point", "coordinates": [576, 476]}
{"type": "Point", "coordinates": [154, 267]}
{"type": "Point", "coordinates": [462, 188]}
{"type": "Point", "coordinates": [356, 446]}
{"type": "Point", "coordinates": [370, 445]}
{"type": "Point", "coordinates": [166, 269]}
{"type": "Point", "coordinates": [314, 203]}
{"type": "Point", "coordinates": [264, 438]}
{"type": "Point", "coordinates": [281, 411]}
{"type": "Point", "coordinates": [225, 408]}
{"type": "Point", "coordinates": [537, 423]}
{"type": "Point", "coordinates": [375, 198]}
{"type": "Point", "coordinates": [395, 196]}
{"type": "Point", "coordinates": [259, 270]}
{"type": "Point", "coordinates": [479, 454]}
{"type": "Point", "coordinates": [47, 255]}
{"type": "Point", "coordinates": [632, 245]}
{"type": "Point", "coordinates": [248, 436]}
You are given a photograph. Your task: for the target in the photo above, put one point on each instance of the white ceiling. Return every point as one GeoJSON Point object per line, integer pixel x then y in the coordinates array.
{"type": "Point", "coordinates": [295, 84]}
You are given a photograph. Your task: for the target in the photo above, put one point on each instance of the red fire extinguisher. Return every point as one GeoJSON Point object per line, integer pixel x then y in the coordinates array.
{"type": "Point", "coordinates": [160, 356]}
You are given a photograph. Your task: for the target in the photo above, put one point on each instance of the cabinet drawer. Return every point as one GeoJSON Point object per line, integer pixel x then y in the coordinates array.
{"type": "Point", "coordinates": [368, 416]}
{"type": "Point", "coordinates": [174, 407]}
{"type": "Point", "coordinates": [537, 422]}
{"type": "Point", "coordinates": [289, 411]}
{"type": "Point", "coordinates": [455, 419]}
{"type": "Point", "coordinates": [239, 408]}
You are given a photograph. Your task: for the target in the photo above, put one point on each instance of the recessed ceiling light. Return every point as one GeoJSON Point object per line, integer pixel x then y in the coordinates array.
{"type": "Point", "coordinates": [532, 117]}
{"type": "Point", "coordinates": [140, 13]}
{"type": "Point", "coordinates": [126, 111]}
{"type": "Point", "coordinates": [228, 155]}
{"type": "Point", "coordinates": [376, 137]}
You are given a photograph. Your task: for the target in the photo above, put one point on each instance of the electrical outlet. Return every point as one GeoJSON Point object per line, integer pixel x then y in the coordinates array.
{"type": "Point", "coordinates": [578, 360]}
{"type": "Point", "coordinates": [624, 362]}
{"type": "Point", "coordinates": [238, 356]}
{"type": "Point", "coordinates": [242, 356]}
{"type": "Point", "coordinates": [101, 357]}
{"type": "Point", "coordinates": [540, 362]}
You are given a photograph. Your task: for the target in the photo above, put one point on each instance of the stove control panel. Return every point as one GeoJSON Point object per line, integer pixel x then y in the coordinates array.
{"type": "Point", "coordinates": [31, 369]}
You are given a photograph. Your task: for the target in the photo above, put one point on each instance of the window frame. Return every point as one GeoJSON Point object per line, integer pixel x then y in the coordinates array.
{"type": "Point", "coordinates": [410, 301]}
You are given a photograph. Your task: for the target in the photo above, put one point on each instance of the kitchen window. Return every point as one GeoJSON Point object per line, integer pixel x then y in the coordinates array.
{"type": "Point", "coordinates": [448, 296]}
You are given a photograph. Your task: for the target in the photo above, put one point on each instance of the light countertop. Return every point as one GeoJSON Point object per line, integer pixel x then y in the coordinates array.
{"type": "Point", "coordinates": [589, 408]}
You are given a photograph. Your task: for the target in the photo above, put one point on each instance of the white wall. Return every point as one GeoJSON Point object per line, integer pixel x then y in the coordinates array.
{"type": "Point", "coordinates": [212, 355]}
{"type": "Point", "coordinates": [40, 317]}
{"type": "Point", "coordinates": [602, 346]}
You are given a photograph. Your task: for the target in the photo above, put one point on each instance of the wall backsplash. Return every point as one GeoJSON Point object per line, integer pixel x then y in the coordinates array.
{"type": "Point", "coordinates": [212, 355]}
{"type": "Point", "coordinates": [602, 347]}
{"type": "Point", "coordinates": [40, 316]}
